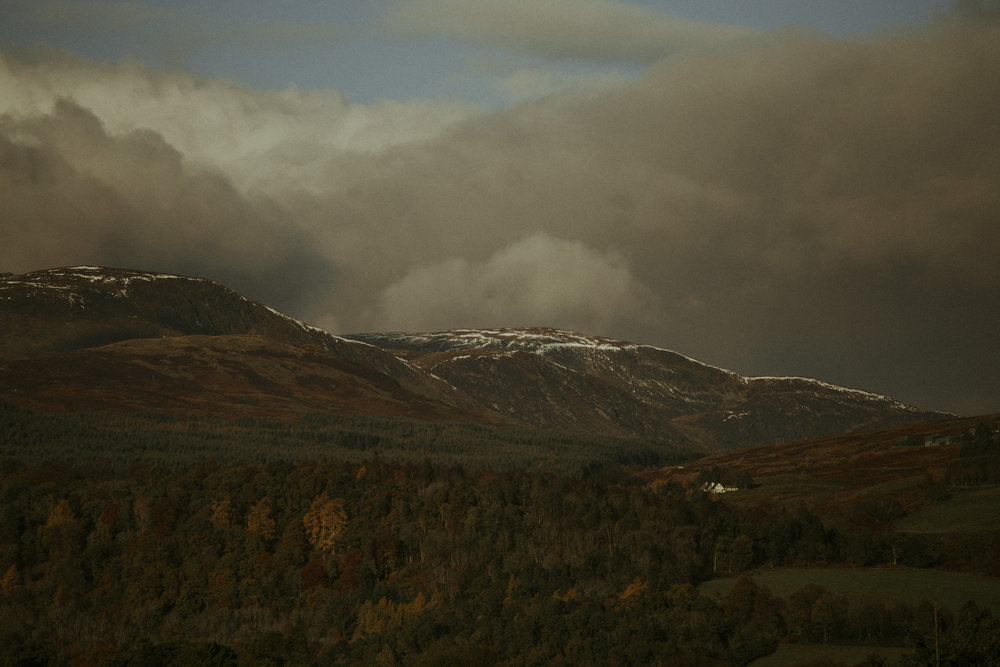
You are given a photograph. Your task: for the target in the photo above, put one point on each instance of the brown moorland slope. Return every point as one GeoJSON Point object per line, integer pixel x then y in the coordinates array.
{"type": "Point", "coordinates": [228, 376]}
{"type": "Point", "coordinates": [904, 468]}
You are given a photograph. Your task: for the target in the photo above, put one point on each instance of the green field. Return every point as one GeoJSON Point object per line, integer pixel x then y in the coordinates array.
{"type": "Point", "coordinates": [789, 655]}
{"type": "Point", "coordinates": [968, 512]}
{"type": "Point", "coordinates": [948, 589]}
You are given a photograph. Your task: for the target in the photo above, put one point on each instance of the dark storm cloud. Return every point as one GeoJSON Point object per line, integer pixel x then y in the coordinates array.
{"type": "Point", "coordinates": [72, 194]}
{"type": "Point", "coordinates": [120, 165]}
{"type": "Point", "coordinates": [801, 205]}
{"type": "Point", "coordinates": [793, 204]}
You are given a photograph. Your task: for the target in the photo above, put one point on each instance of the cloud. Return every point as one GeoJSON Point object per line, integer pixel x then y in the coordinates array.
{"type": "Point", "coordinates": [167, 35]}
{"type": "Point", "coordinates": [270, 140]}
{"type": "Point", "coordinates": [793, 204]}
{"type": "Point", "coordinates": [73, 194]}
{"type": "Point", "coordinates": [801, 205]}
{"type": "Point", "coordinates": [592, 30]}
{"type": "Point", "coordinates": [535, 82]}
{"type": "Point", "coordinates": [536, 281]}
{"type": "Point", "coordinates": [977, 9]}
{"type": "Point", "coordinates": [98, 15]}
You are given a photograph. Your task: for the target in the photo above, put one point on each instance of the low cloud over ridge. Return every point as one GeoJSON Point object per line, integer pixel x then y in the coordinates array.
{"type": "Point", "coordinates": [536, 281]}
{"type": "Point", "coordinates": [794, 204]}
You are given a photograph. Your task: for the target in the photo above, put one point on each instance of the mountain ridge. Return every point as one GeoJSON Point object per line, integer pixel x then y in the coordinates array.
{"type": "Point", "coordinates": [93, 328]}
{"type": "Point", "coordinates": [88, 307]}
{"type": "Point", "coordinates": [648, 389]}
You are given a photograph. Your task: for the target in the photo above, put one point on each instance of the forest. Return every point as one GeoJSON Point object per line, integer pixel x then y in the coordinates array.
{"type": "Point", "coordinates": [372, 561]}
{"type": "Point", "coordinates": [979, 458]}
{"type": "Point", "coordinates": [119, 439]}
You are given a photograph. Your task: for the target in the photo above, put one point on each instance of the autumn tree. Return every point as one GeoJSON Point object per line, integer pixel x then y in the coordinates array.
{"type": "Point", "coordinates": [324, 522]}
{"type": "Point", "coordinates": [62, 532]}
{"type": "Point", "coordinates": [259, 520]}
{"type": "Point", "coordinates": [11, 580]}
{"type": "Point", "coordinates": [222, 514]}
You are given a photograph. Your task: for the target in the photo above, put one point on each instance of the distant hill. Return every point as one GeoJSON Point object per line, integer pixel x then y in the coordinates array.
{"type": "Point", "coordinates": [92, 338]}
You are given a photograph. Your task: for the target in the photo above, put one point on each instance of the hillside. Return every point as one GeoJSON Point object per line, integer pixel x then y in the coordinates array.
{"type": "Point", "coordinates": [873, 479]}
{"type": "Point", "coordinates": [46, 314]}
{"type": "Point", "coordinates": [565, 380]}
{"type": "Point", "coordinates": [189, 477]}
{"type": "Point", "coordinates": [91, 338]}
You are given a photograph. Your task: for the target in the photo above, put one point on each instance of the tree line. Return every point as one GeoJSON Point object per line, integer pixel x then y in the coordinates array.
{"type": "Point", "coordinates": [373, 562]}
{"type": "Point", "coordinates": [120, 439]}
{"type": "Point", "coordinates": [979, 458]}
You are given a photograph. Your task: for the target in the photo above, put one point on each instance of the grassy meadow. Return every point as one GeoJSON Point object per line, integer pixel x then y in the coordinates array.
{"type": "Point", "coordinates": [948, 589]}
{"type": "Point", "coordinates": [790, 655]}
{"type": "Point", "coordinates": [966, 512]}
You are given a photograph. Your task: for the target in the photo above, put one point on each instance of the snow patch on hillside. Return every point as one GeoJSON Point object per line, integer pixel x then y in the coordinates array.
{"type": "Point", "coordinates": [298, 323]}
{"type": "Point", "coordinates": [541, 341]}
{"type": "Point", "coordinates": [525, 340]}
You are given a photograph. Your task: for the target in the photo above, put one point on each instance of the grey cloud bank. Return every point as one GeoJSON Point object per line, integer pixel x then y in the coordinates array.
{"type": "Point", "coordinates": [788, 204]}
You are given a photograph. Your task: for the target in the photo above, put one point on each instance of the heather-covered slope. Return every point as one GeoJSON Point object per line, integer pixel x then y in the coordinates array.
{"type": "Point", "coordinates": [46, 314]}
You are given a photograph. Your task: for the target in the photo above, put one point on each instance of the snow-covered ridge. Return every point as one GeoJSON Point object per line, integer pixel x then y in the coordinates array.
{"type": "Point", "coordinates": [298, 323]}
{"type": "Point", "coordinates": [78, 284]}
{"type": "Point", "coordinates": [92, 274]}
{"type": "Point", "coordinates": [97, 274]}
{"type": "Point", "coordinates": [540, 341]}
{"type": "Point", "coordinates": [543, 341]}
{"type": "Point", "coordinates": [525, 340]}
{"type": "Point", "coordinates": [72, 283]}
{"type": "Point", "coordinates": [69, 280]}
{"type": "Point", "coordinates": [529, 340]}
{"type": "Point", "coordinates": [833, 387]}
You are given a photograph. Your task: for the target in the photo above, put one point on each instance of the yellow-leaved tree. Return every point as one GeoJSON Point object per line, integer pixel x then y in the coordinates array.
{"type": "Point", "coordinates": [11, 581]}
{"type": "Point", "coordinates": [324, 522]}
{"type": "Point", "coordinates": [222, 514]}
{"type": "Point", "coordinates": [63, 533]}
{"type": "Point", "coordinates": [259, 520]}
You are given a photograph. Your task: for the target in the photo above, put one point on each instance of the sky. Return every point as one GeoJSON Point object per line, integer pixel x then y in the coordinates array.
{"type": "Point", "coordinates": [777, 187]}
